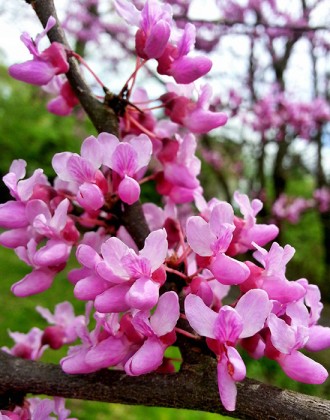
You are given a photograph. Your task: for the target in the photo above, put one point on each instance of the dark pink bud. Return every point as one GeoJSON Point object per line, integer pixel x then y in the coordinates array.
{"type": "Point", "coordinates": [70, 232]}
{"type": "Point", "coordinates": [172, 228]}
{"type": "Point", "coordinates": [56, 56]}
{"type": "Point", "coordinates": [169, 150]}
{"type": "Point", "coordinates": [22, 350]}
{"type": "Point", "coordinates": [203, 262]}
{"type": "Point", "coordinates": [169, 338]}
{"type": "Point", "coordinates": [140, 42]}
{"type": "Point", "coordinates": [159, 275]}
{"type": "Point", "coordinates": [163, 187]}
{"type": "Point", "coordinates": [54, 337]}
{"type": "Point", "coordinates": [166, 367]}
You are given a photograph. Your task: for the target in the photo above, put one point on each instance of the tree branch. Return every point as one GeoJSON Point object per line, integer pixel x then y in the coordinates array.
{"type": "Point", "coordinates": [195, 388]}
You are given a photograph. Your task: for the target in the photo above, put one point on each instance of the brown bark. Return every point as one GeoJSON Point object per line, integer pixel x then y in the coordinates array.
{"type": "Point", "coordinates": [195, 388]}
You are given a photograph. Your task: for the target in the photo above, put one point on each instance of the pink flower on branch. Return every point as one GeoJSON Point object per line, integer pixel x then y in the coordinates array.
{"type": "Point", "coordinates": [248, 231]}
{"type": "Point", "coordinates": [212, 239]}
{"type": "Point", "coordinates": [287, 340]}
{"type": "Point", "coordinates": [195, 116]}
{"type": "Point", "coordinates": [152, 40]}
{"type": "Point", "coordinates": [128, 160]}
{"type": "Point", "coordinates": [175, 61]}
{"type": "Point", "coordinates": [44, 65]}
{"type": "Point", "coordinates": [28, 346]}
{"type": "Point", "coordinates": [158, 329]}
{"type": "Point", "coordinates": [154, 22]}
{"type": "Point", "coordinates": [178, 180]}
{"type": "Point", "coordinates": [223, 331]}
{"type": "Point", "coordinates": [123, 279]}
{"type": "Point", "coordinates": [65, 325]}
{"type": "Point", "coordinates": [272, 278]}
{"type": "Point", "coordinates": [65, 100]}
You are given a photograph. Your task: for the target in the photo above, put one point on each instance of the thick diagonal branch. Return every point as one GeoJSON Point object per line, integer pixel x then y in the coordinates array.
{"type": "Point", "coordinates": [193, 388]}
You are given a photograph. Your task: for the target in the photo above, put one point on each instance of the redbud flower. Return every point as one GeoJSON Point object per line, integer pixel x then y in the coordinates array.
{"type": "Point", "coordinates": [195, 116]}
{"type": "Point", "coordinates": [212, 239]}
{"type": "Point", "coordinates": [44, 65]}
{"type": "Point", "coordinates": [223, 331]}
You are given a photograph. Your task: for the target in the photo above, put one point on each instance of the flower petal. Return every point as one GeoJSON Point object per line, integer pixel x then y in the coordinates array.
{"type": "Point", "coordinates": [199, 236]}
{"type": "Point", "coordinates": [141, 362]}
{"type": "Point", "coordinates": [226, 385]}
{"type": "Point", "coordinates": [166, 314]}
{"type": "Point", "coordinates": [200, 317]}
{"type": "Point", "coordinates": [36, 282]}
{"type": "Point", "coordinates": [228, 270]}
{"type": "Point", "coordinates": [143, 294]}
{"type": "Point", "coordinates": [303, 369]}
{"type": "Point", "coordinates": [129, 190]}
{"type": "Point", "coordinates": [155, 248]}
{"type": "Point", "coordinates": [113, 299]}
{"type": "Point", "coordinates": [254, 307]}
{"type": "Point", "coordinates": [108, 352]}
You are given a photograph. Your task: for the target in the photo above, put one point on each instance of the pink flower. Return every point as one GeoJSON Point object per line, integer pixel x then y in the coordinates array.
{"type": "Point", "coordinates": [152, 40]}
{"type": "Point", "coordinates": [134, 280]}
{"type": "Point", "coordinates": [288, 339]}
{"type": "Point", "coordinates": [223, 330]}
{"type": "Point", "coordinates": [43, 408]}
{"type": "Point", "coordinates": [248, 231]}
{"type": "Point", "coordinates": [87, 181]}
{"type": "Point", "coordinates": [179, 179]}
{"type": "Point", "coordinates": [128, 159]}
{"type": "Point", "coordinates": [159, 332]}
{"type": "Point", "coordinates": [154, 22]}
{"type": "Point", "coordinates": [272, 279]}
{"type": "Point", "coordinates": [65, 100]}
{"type": "Point", "coordinates": [28, 346]}
{"type": "Point", "coordinates": [176, 63]}
{"type": "Point", "coordinates": [290, 208]}
{"type": "Point", "coordinates": [22, 189]}
{"type": "Point", "coordinates": [46, 263]}
{"type": "Point", "coordinates": [45, 65]}
{"type": "Point", "coordinates": [103, 347]}
{"type": "Point", "coordinates": [65, 324]}
{"type": "Point", "coordinates": [212, 239]}
{"type": "Point", "coordinates": [50, 258]}
{"type": "Point", "coordinates": [195, 116]}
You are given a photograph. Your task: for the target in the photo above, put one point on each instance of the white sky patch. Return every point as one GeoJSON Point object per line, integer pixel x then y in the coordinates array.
{"type": "Point", "coordinates": [204, 9]}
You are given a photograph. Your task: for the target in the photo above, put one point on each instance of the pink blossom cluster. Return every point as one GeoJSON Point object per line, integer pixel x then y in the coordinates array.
{"type": "Point", "coordinates": [179, 282]}
{"type": "Point", "coordinates": [301, 119]}
{"type": "Point", "coordinates": [291, 208]}
{"type": "Point", "coordinates": [31, 346]}
{"type": "Point", "coordinates": [135, 314]}
{"type": "Point", "coordinates": [37, 409]}
{"type": "Point", "coordinates": [322, 199]}
{"type": "Point", "coordinates": [156, 39]}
